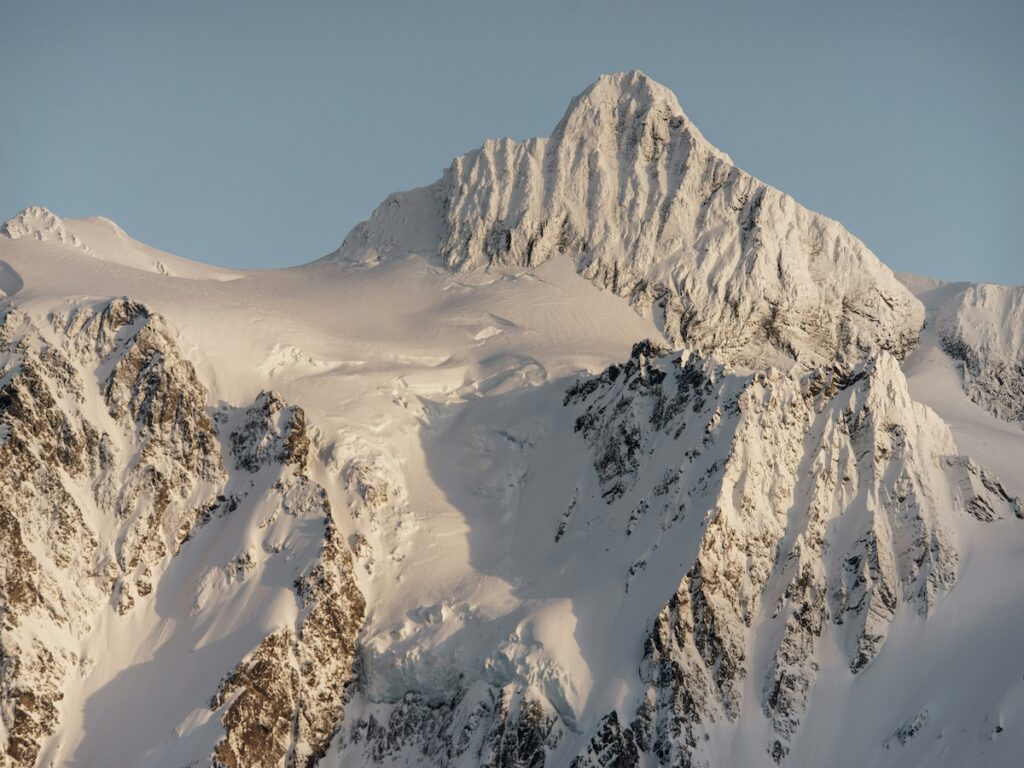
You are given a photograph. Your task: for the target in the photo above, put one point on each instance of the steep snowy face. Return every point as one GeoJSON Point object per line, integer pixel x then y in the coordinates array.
{"type": "Point", "coordinates": [837, 502]}
{"type": "Point", "coordinates": [983, 329]}
{"type": "Point", "coordinates": [731, 537]}
{"type": "Point", "coordinates": [647, 208]}
{"type": "Point", "coordinates": [146, 457]}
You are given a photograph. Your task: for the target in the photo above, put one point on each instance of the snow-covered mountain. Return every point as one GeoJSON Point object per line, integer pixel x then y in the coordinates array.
{"type": "Point", "coordinates": [596, 452]}
{"type": "Point", "coordinates": [646, 208]}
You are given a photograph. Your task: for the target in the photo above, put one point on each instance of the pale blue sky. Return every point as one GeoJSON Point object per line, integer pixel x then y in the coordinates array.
{"type": "Point", "coordinates": [256, 134]}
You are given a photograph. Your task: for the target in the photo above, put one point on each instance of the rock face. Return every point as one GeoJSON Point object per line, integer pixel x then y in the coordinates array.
{"type": "Point", "coordinates": [271, 433]}
{"type": "Point", "coordinates": [36, 222]}
{"type": "Point", "coordinates": [151, 387]}
{"type": "Point", "coordinates": [831, 509]}
{"type": "Point", "coordinates": [148, 462]}
{"type": "Point", "coordinates": [823, 504]}
{"type": "Point", "coordinates": [259, 721]}
{"type": "Point", "coordinates": [485, 726]}
{"type": "Point", "coordinates": [109, 464]}
{"type": "Point", "coordinates": [629, 189]}
{"type": "Point", "coordinates": [284, 701]}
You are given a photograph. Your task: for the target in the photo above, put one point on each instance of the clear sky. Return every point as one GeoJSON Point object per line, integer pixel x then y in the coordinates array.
{"type": "Point", "coordinates": [255, 134]}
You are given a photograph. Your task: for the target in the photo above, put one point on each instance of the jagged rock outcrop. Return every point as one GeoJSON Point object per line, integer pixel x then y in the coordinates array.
{"type": "Point", "coordinates": [154, 391]}
{"type": "Point", "coordinates": [980, 493]}
{"type": "Point", "coordinates": [43, 538]}
{"type": "Point", "coordinates": [611, 747]}
{"type": "Point", "coordinates": [630, 190]}
{"type": "Point", "coordinates": [483, 726]}
{"type": "Point", "coordinates": [271, 433]}
{"type": "Point", "coordinates": [334, 612]}
{"type": "Point", "coordinates": [147, 462]}
{"type": "Point", "coordinates": [39, 223]}
{"type": "Point", "coordinates": [109, 463]}
{"type": "Point", "coordinates": [284, 702]}
{"type": "Point", "coordinates": [830, 509]}
{"type": "Point", "coordinates": [260, 719]}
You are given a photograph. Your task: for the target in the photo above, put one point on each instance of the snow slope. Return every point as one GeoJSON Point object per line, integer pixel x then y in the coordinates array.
{"type": "Point", "coordinates": [655, 489]}
{"type": "Point", "coordinates": [103, 239]}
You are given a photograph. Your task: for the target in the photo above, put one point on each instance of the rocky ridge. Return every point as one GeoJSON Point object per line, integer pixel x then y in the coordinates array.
{"type": "Point", "coordinates": [39, 223]}
{"type": "Point", "coordinates": [820, 503]}
{"type": "Point", "coordinates": [139, 469]}
{"type": "Point", "coordinates": [830, 511]}
{"type": "Point", "coordinates": [111, 462]}
{"type": "Point", "coordinates": [283, 702]}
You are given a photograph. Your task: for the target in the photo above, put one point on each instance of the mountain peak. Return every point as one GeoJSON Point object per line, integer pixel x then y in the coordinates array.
{"type": "Point", "coordinates": [632, 109]}
{"type": "Point", "coordinates": [633, 83]}
{"type": "Point", "coordinates": [628, 188]}
{"type": "Point", "coordinates": [35, 221]}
